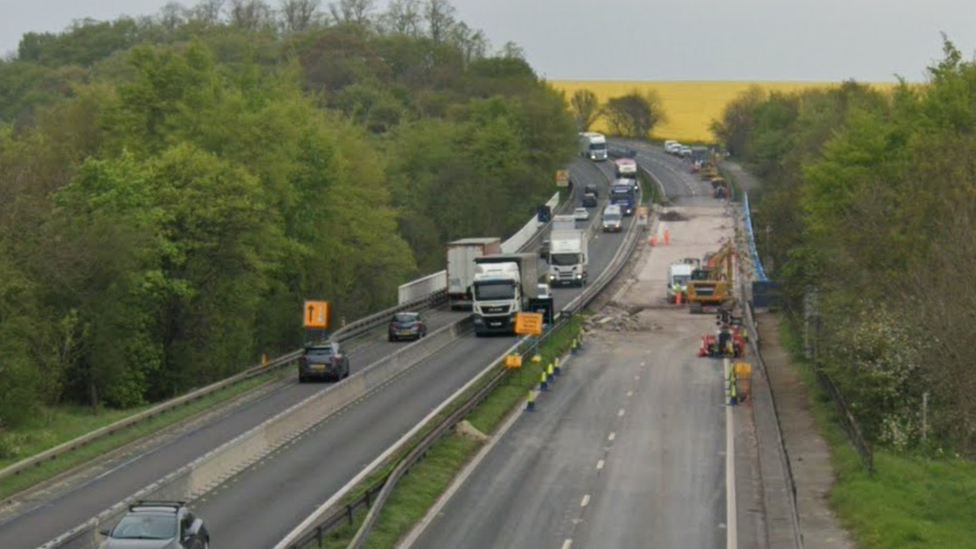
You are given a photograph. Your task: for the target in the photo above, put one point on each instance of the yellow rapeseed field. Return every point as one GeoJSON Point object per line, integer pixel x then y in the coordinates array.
{"type": "Point", "coordinates": [689, 106]}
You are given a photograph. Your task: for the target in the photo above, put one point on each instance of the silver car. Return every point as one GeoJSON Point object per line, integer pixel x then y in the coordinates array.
{"type": "Point", "coordinates": [158, 525]}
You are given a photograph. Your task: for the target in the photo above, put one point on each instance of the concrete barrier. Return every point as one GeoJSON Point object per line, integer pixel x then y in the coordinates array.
{"type": "Point", "coordinates": [218, 465]}
{"type": "Point", "coordinates": [525, 234]}
{"type": "Point", "coordinates": [422, 287]}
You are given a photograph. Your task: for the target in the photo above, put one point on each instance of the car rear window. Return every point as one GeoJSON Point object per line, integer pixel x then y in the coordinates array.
{"type": "Point", "coordinates": [319, 352]}
{"type": "Point", "coordinates": [146, 526]}
{"type": "Point", "coordinates": [406, 317]}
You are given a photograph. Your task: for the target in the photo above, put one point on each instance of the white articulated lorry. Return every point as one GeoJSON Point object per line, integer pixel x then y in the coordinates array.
{"type": "Point", "coordinates": [461, 255]}
{"type": "Point", "coordinates": [503, 286]}
{"type": "Point", "coordinates": [593, 146]}
{"type": "Point", "coordinates": [568, 257]}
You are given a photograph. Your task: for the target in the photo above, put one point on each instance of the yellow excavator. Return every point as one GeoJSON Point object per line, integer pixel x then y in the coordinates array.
{"type": "Point", "coordinates": [711, 285]}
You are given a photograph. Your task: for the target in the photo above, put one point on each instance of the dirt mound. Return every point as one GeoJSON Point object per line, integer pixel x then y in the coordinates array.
{"type": "Point", "coordinates": [466, 430]}
{"type": "Point", "coordinates": [672, 215]}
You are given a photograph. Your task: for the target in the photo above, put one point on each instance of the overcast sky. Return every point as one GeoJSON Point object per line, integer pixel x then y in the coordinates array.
{"type": "Point", "coordinates": [812, 40]}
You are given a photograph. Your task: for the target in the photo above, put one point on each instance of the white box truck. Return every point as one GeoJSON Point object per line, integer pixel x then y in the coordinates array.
{"type": "Point", "coordinates": [568, 257]}
{"type": "Point", "coordinates": [503, 286]}
{"type": "Point", "coordinates": [461, 267]}
{"type": "Point", "coordinates": [565, 222]}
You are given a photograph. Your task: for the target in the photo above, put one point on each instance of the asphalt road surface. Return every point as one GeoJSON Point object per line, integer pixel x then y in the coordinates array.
{"type": "Point", "coordinates": [329, 455]}
{"type": "Point", "coordinates": [628, 448]}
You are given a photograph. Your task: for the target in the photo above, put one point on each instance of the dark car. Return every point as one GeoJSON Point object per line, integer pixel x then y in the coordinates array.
{"type": "Point", "coordinates": [323, 361]}
{"type": "Point", "coordinates": [591, 188]}
{"type": "Point", "coordinates": [407, 326]}
{"type": "Point", "coordinates": [158, 525]}
{"type": "Point", "coordinates": [589, 201]}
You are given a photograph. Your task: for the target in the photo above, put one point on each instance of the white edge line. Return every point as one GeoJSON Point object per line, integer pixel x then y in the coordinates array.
{"type": "Point", "coordinates": [460, 479]}
{"type": "Point", "coordinates": [731, 531]}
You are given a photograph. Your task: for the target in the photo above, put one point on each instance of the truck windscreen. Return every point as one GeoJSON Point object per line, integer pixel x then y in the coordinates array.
{"type": "Point", "coordinates": [484, 291]}
{"type": "Point", "coordinates": [598, 146]}
{"type": "Point", "coordinates": [564, 260]}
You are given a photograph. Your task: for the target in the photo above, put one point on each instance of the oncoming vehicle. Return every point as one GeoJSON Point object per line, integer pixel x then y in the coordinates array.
{"type": "Point", "coordinates": [158, 525]}
{"type": "Point", "coordinates": [407, 325]}
{"type": "Point", "coordinates": [625, 168]}
{"type": "Point", "coordinates": [545, 292]}
{"type": "Point", "coordinates": [593, 146]}
{"type": "Point", "coordinates": [581, 214]}
{"type": "Point", "coordinates": [670, 145]}
{"type": "Point", "coordinates": [612, 219]}
{"type": "Point", "coordinates": [622, 194]}
{"type": "Point", "coordinates": [591, 188]}
{"type": "Point", "coordinates": [324, 361]}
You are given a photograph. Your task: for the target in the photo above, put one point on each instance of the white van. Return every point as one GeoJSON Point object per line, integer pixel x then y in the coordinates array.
{"type": "Point", "coordinates": [678, 274]}
{"type": "Point", "coordinates": [612, 219]}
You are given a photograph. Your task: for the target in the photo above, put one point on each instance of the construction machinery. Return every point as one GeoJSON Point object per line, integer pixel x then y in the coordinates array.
{"type": "Point", "coordinates": [729, 340]}
{"type": "Point", "coordinates": [711, 284]}
{"type": "Point", "coordinates": [720, 187]}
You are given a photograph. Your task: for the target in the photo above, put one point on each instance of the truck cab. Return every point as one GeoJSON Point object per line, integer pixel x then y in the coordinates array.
{"type": "Point", "coordinates": [503, 286]}
{"type": "Point", "coordinates": [568, 257]}
{"type": "Point", "coordinates": [593, 146]}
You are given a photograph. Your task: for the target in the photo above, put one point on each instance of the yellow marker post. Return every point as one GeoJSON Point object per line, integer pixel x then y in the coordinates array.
{"type": "Point", "coordinates": [530, 402]}
{"type": "Point", "coordinates": [549, 372]}
{"type": "Point", "coordinates": [543, 384]}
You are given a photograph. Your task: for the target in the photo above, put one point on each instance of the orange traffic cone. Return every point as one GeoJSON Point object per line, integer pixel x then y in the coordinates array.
{"type": "Point", "coordinates": [667, 237]}
{"type": "Point", "coordinates": [653, 241]}
{"type": "Point", "coordinates": [703, 348]}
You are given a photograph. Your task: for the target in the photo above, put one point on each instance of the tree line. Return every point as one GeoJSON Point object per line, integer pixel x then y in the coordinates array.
{"type": "Point", "coordinates": [633, 114]}
{"type": "Point", "coordinates": [174, 186]}
{"type": "Point", "coordinates": [867, 215]}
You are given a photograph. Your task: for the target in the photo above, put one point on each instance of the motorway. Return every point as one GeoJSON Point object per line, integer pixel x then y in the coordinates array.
{"type": "Point", "coordinates": [314, 466]}
{"type": "Point", "coordinates": [321, 462]}
{"type": "Point", "coordinates": [628, 448]}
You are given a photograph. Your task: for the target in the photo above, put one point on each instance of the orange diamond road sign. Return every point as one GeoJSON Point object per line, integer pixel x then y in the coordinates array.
{"type": "Point", "coordinates": [316, 314]}
{"type": "Point", "coordinates": [513, 361]}
{"type": "Point", "coordinates": [528, 323]}
{"type": "Point", "coordinates": [643, 211]}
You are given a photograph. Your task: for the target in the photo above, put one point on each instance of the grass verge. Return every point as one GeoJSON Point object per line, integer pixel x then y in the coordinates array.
{"type": "Point", "coordinates": [911, 502]}
{"type": "Point", "coordinates": [419, 490]}
{"type": "Point", "coordinates": [68, 423]}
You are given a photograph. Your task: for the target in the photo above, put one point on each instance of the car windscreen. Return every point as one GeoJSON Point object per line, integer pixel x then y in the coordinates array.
{"type": "Point", "coordinates": [494, 290]}
{"type": "Point", "coordinates": [140, 526]}
{"type": "Point", "coordinates": [611, 217]}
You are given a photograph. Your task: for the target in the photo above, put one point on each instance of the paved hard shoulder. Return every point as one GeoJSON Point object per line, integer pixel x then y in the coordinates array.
{"type": "Point", "coordinates": [809, 454]}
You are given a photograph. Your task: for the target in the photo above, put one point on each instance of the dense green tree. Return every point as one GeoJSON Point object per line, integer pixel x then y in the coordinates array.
{"type": "Point", "coordinates": [634, 114]}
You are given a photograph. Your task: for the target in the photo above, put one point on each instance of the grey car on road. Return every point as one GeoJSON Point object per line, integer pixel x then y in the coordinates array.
{"type": "Point", "coordinates": [158, 525]}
